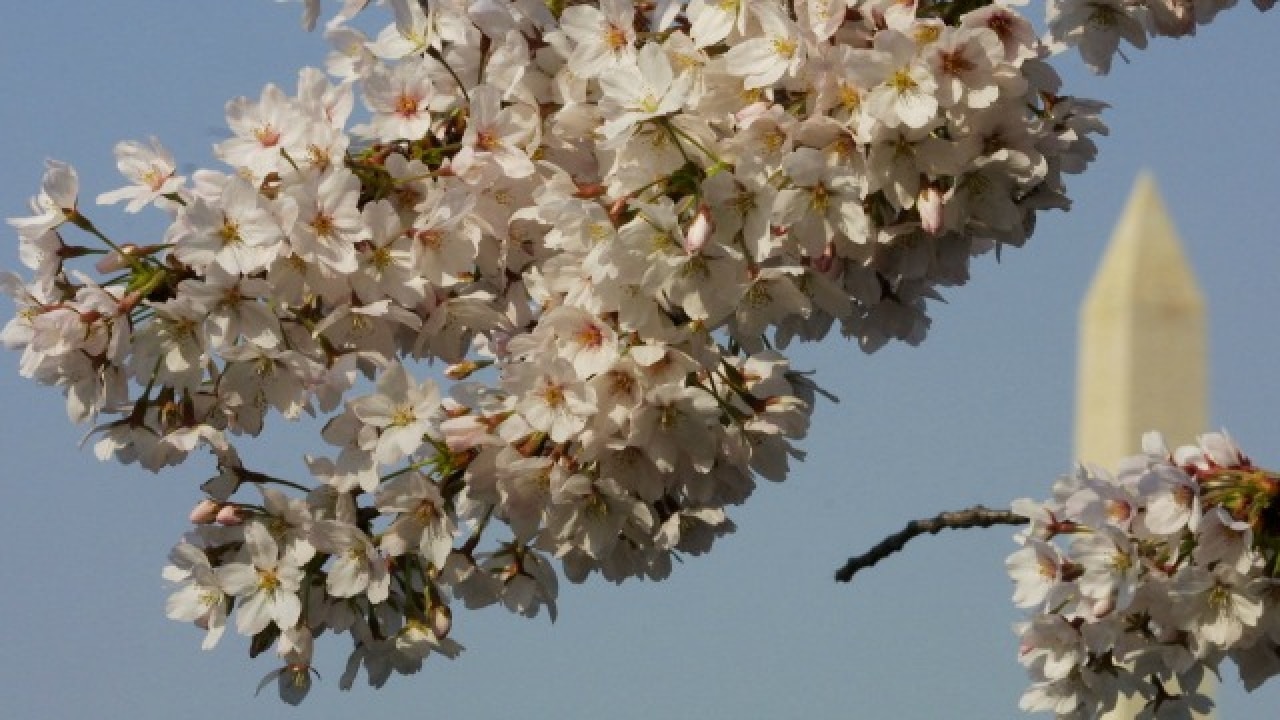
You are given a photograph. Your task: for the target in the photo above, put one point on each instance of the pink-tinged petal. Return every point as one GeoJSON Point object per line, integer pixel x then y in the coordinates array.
{"type": "Point", "coordinates": [930, 205]}
{"type": "Point", "coordinates": [228, 515]}
{"type": "Point", "coordinates": [205, 512]}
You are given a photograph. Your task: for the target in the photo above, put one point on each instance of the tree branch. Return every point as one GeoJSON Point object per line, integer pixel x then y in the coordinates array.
{"type": "Point", "coordinates": [976, 516]}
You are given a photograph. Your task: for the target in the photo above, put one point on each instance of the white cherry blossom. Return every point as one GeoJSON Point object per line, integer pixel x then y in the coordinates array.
{"type": "Point", "coordinates": [403, 411]}
{"type": "Point", "coordinates": [152, 171]}
{"type": "Point", "coordinates": [266, 589]}
{"type": "Point", "coordinates": [56, 203]}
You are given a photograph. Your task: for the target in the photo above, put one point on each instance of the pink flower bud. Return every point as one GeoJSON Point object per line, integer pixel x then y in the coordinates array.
{"type": "Point", "coordinates": [750, 113]}
{"type": "Point", "coordinates": [229, 515]}
{"type": "Point", "coordinates": [618, 207]}
{"type": "Point", "coordinates": [826, 260]}
{"type": "Point", "coordinates": [464, 432]}
{"type": "Point", "coordinates": [699, 231]}
{"type": "Point", "coordinates": [205, 512]}
{"type": "Point", "coordinates": [441, 620]}
{"type": "Point", "coordinates": [114, 261]}
{"type": "Point", "coordinates": [1104, 607]}
{"type": "Point", "coordinates": [930, 206]}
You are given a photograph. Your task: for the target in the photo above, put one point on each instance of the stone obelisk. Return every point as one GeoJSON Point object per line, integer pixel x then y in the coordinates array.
{"type": "Point", "coordinates": [1142, 363]}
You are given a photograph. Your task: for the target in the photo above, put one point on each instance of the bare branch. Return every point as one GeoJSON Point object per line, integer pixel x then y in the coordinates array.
{"type": "Point", "coordinates": [976, 516]}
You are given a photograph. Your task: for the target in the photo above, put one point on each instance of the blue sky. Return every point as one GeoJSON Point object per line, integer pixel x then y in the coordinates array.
{"type": "Point", "coordinates": [980, 413]}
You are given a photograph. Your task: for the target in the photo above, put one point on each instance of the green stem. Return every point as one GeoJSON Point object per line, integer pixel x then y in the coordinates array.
{"type": "Point", "coordinates": [418, 465]}
{"type": "Point", "coordinates": [289, 157]}
{"type": "Point", "coordinates": [87, 225]}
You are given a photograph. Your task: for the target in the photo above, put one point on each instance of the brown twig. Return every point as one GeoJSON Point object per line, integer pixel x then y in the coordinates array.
{"type": "Point", "coordinates": [976, 516]}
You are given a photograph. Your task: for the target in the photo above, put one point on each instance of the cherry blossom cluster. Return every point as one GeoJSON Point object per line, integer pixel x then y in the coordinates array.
{"type": "Point", "coordinates": [1144, 580]}
{"type": "Point", "coordinates": [605, 219]}
{"type": "Point", "coordinates": [1096, 27]}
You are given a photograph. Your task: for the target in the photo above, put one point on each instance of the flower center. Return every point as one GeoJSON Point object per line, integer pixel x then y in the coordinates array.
{"type": "Point", "coordinates": [487, 140]}
{"type": "Point", "coordinates": [553, 395]}
{"type": "Point", "coordinates": [268, 580]}
{"type": "Point", "coordinates": [1001, 23]}
{"type": "Point", "coordinates": [902, 81]}
{"type": "Point", "coordinates": [773, 140]}
{"type": "Point", "coordinates": [426, 512]}
{"type": "Point", "coordinates": [431, 239]}
{"type": "Point", "coordinates": [821, 197]}
{"type": "Point", "coordinates": [589, 336]}
{"type": "Point", "coordinates": [323, 224]}
{"type": "Point", "coordinates": [267, 136]}
{"type": "Point", "coordinates": [403, 417]}
{"type": "Point", "coordinates": [926, 34]}
{"type": "Point", "coordinates": [955, 63]}
{"type": "Point", "coordinates": [406, 106]}
{"type": "Point", "coordinates": [615, 37]}
{"type": "Point", "coordinates": [1121, 562]}
{"type": "Point", "coordinates": [230, 232]}
{"type": "Point", "coordinates": [849, 96]}
{"type": "Point", "coordinates": [154, 179]}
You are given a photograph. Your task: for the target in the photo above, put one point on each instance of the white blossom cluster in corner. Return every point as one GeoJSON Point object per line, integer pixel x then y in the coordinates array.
{"type": "Point", "coordinates": [608, 219]}
{"type": "Point", "coordinates": [1096, 27]}
{"type": "Point", "coordinates": [1144, 580]}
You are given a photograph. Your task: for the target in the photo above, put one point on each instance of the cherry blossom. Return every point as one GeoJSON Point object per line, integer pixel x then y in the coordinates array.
{"type": "Point", "coordinates": [1165, 597]}
{"type": "Point", "coordinates": [152, 171]}
{"type": "Point", "coordinates": [539, 298]}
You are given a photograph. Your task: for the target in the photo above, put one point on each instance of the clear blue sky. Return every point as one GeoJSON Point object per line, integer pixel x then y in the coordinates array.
{"type": "Point", "coordinates": [980, 413]}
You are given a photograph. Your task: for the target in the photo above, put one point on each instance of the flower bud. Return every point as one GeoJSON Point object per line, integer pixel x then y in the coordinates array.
{"type": "Point", "coordinates": [699, 231]}
{"type": "Point", "coordinates": [464, 369]}
{"type": "Point", "coordinates": [750, 113]}
{"type": "Point", "coordinates": [1104, 606]}
{"type": "Point", "coordinates": [929, 204]}
{"type": "Point", "coordinates": [589, 191]}
{"type": "Point", "coordinates": [824, 262]}
{"type": "Point", "coordinates": [618, 207]}
{"type": "Point", "coordinates": [441, 618]}
{"type": "Point", "coordinates": [229, 515]}
{"type": "Point", "coordinates": [205, 512]}
{"type": "Point", "coordinates": [115, 261]}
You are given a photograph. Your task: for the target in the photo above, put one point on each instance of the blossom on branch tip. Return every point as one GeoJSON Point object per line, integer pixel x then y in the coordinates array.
{"type": "Point", "coordinates": [56, 203]}
{"type": "Point", "coordinates": [152, 171]}
{"type": "Point", "coordinates": [1165, 590]}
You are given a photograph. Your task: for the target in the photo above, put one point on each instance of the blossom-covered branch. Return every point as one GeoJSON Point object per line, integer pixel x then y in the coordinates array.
{"type": "Point", "coordinates": [1154, 573]}
{"type": "Point", "coordinates": [607, 221]}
